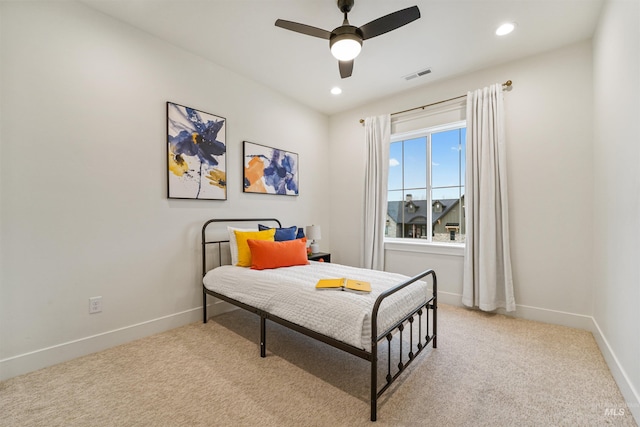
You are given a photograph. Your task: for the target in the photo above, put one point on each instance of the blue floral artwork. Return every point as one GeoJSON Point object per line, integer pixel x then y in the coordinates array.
{"type": "Point", "coordinates": [197, 154]}
{"type": "Point", "coordinates": [269, 170]}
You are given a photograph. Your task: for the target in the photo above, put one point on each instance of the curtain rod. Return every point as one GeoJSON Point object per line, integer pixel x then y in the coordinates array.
{"type": "Point", "coordinates": [505, 85]}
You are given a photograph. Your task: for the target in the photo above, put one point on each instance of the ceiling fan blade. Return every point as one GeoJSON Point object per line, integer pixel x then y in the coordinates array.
{"type": "Point", "coordinates": [346, 68]}
{"type": "Point", "coordinates": [304, 29]}
{"type": "Point", "coordinates": [389, 22]}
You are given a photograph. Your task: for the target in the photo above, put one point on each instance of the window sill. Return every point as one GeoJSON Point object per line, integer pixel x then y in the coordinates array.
{"type": "Point", "coordinates": [411, 245]}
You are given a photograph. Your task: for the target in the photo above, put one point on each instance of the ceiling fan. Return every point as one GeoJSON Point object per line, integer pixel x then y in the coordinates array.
{"type": "Point", "coordinates": [346, 40]}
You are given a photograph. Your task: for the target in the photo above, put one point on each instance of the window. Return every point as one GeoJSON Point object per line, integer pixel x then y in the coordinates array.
{"type": "Point", "coordinates": [426, 184]}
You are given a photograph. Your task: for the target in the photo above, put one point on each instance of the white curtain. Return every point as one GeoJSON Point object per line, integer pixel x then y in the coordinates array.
{"type": "Point", "coordinates": [487, 282]}
{"type": "Point", "coordinates": [377, 138]}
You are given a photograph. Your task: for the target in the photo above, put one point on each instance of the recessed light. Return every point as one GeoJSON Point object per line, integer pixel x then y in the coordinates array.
{"type": "Point", "coordinates": [505, 28]}
{"type": "Point", "coordinates": [336, 91]}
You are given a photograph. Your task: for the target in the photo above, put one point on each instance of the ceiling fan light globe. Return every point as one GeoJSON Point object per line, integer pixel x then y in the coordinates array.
{"type": "Point", "coordinates": [346, 49]}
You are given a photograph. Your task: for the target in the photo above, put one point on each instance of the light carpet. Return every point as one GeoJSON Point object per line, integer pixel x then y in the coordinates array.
{"type": "Point", "coordinates": [488, 370]}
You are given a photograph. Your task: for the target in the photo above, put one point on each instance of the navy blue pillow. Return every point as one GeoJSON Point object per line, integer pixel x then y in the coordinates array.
{"type": "Point", "coordinates": [300, 234]}
{"type": "Point", "coordinates": [282, 234]}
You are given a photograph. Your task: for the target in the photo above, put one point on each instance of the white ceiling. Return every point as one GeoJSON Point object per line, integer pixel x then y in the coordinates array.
{"type": "Point", "coordinates": [452, 37]}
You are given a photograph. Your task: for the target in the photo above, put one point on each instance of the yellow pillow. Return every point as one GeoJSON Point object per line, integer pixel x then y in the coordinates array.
{"type": "Point", "coordinates": [244, 253]}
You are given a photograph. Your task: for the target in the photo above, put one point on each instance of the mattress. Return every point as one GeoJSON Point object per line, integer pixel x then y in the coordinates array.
{"type": "Point", "coordinates": [290, 293]}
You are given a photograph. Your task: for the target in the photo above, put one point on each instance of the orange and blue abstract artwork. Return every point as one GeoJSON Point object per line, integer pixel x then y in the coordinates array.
{"type": "Point", "coordinates": [197, 154]}
{"type": "Point", "coordinates": [269, 170]}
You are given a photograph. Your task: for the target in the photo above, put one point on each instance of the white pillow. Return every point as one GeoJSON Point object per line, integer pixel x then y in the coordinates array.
{"type": "Point", "coordinates": [233, 243]}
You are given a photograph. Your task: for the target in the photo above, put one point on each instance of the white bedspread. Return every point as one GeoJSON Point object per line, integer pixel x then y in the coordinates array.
{"type": "Point", "coordinates": [290, 293]}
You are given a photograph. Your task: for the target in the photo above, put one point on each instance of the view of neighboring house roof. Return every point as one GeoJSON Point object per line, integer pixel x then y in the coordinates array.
{"type": "Point", "coordinates": [419, 215]}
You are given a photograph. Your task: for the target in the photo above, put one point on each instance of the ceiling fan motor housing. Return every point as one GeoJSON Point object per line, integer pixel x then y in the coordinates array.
{"type": "Point", "coordinates": [345, 32]}
{"type": "Point", "coordinates": [345, 5]}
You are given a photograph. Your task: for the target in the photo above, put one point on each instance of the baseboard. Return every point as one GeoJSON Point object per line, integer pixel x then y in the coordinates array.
{"type": "Point", "coordinates": [630, 394]}
{"type": "Point", "coordinates": [556, 317]}
{"type": "Point", "coordinates": [41, 358]}
{"type": "Point", "coordinates": [449, 298]}
{"type": "Point", "coordinates": [538, 314]}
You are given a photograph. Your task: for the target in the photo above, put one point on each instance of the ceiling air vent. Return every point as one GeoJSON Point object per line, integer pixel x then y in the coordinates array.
{"type": "Point", "coordinates": [418, 74]}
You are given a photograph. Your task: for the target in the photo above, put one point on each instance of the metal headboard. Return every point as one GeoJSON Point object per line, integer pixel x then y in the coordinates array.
{"type": "Point", "coordinates": [206, 242]}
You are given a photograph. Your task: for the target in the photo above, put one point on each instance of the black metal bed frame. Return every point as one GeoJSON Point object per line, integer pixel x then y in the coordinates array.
{"type": "Point", "coordinates": [422, 313]}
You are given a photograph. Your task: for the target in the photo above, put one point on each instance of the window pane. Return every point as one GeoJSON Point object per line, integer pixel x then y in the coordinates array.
{"type": "Point", "coordinates": [448, 219]}
{"type": "Point", "coordinates": [446, 193]}
{"type": "Point", "coordinates": [407, 214]}
{"type": "Point", "coordinates": [415, 163]}
{"type": "Point", "coordinates": [416, 214]}
{"type": "Point", "coordinates": [394, 214]}
{"type": "Point", "coordinates": [395, 196]}
{"type": "Point", "coordinates": [446, 152]}
{"type": "Point", "coordinates": [395, 166]}
{"type": "Point", "coordinates": [415, 194]}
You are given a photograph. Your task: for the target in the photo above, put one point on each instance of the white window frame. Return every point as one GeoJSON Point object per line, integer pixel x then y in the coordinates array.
{"type": "Point", "coordinates": [426, 245]}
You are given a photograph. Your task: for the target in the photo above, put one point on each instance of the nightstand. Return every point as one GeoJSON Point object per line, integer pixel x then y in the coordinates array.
{"type": "Point", "coordinates": [320, 256]}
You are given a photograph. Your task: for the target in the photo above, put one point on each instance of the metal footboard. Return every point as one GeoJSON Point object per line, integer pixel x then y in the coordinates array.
{"type": "Point", "coordinates": [422, 313]}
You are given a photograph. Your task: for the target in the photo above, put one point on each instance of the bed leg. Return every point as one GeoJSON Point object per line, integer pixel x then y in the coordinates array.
{"type": "Point", "coordinates": [263, 336]}
{"type": "Point", "coordinates": [435, 324]}
{"type": "Point", "coordinates": [204, 307]}
{"type": "Point", "coordinates": [374, 381]}
{"type": "Point", "coordinates": [435, 311]}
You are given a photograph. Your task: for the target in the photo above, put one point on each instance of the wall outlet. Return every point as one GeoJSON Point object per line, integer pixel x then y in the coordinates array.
{"type": "Point", "coordinates": [95, 305]}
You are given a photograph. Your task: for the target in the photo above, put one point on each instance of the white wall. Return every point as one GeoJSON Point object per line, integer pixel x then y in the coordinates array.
{"type": "Point", "coordinates": [83, 179]}
{"type": "Point", "coordinates": [616, 193]}
{"type": "Point", "coordinates": [548, 130]}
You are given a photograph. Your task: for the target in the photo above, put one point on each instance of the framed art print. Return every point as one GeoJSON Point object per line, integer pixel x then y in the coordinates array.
{"type": "Point", "coordinates": [197, 150]}
{"type": "Point", "coordinates": [269, 170]}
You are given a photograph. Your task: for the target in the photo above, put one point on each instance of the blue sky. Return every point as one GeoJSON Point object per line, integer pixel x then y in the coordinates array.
{"type": "Point", "coordinates": [447, 166]}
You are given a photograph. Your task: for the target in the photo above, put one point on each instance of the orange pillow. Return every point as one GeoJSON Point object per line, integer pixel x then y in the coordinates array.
{"type": "Point", "coordinates": [268, 254]}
